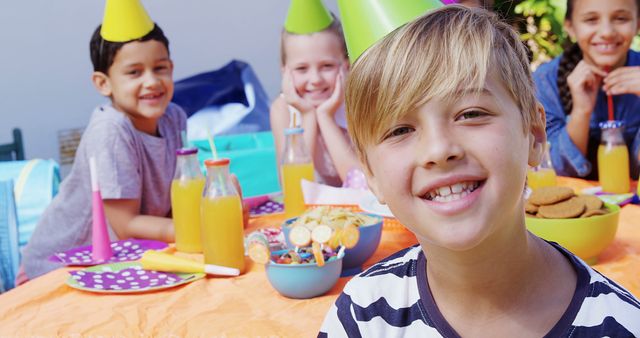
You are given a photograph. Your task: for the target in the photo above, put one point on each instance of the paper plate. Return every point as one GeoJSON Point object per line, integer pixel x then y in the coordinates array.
{"type": "Point", "coordinates": [371, 205]}
{"type": "Point", "coordinates": [128, 277]}
{"type": "Point", "coordinates": [619, 199]}
{"type": "Point", "coordinates": [268, 207]}
{"type": "Point", "coordinates": [123, 251]}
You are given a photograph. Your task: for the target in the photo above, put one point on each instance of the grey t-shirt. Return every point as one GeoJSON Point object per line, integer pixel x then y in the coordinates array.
{"type": "Point", "coordinates": [130, 165]}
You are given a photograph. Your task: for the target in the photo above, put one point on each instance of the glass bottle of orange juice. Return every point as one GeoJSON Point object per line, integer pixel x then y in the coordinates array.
{"type": "Point", "coordinates": [295, 165]}
{"type": "Point", "coordinates": [543, 175]}
{"type": "Point", "coordinates": [221, 218]}
{"type": "Point", "coordinates": [186, 193]}
{"type": "Point", "coordinates": [613, 158]}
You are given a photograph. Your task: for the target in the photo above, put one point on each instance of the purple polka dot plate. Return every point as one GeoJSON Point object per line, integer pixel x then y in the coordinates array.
{"type": "Point", "coordinates": [123, 251]}
{"type": "Point", "coordinates": [127, 277]}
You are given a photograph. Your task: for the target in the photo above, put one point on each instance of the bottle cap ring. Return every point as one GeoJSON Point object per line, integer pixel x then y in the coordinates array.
{"type": "Point", "coordinates": [217, 162]}
{"type": "Point", "coordinates": [291, 131]}
{"type": "Point", "coordinates": [186, 151]}
{"type": "Point", "coordinates": [611, 124]}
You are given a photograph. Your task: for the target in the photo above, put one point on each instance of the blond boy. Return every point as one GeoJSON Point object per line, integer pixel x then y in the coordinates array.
{"type": "Point", "coordinates": [444, 118]}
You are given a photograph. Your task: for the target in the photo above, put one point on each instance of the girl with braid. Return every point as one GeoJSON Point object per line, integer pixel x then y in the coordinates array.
{"type": "Point", "coordinates": [573, 88]}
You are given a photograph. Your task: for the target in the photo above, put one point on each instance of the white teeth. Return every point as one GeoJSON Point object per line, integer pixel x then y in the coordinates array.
{"type": "Point", "coordinates": [606, 47]}
{"type": "Point", "coordinates": [444, 191]}
{"type": "Point", "coordinates": [451, 193]}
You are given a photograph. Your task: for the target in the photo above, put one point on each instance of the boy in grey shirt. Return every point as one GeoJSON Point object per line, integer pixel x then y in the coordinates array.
{"type": "Point", "coordinates": [134, 140]}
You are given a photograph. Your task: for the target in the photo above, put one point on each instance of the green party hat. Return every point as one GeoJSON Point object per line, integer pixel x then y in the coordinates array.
{"type": "Point", "coordinates": [307, 16]}
{"type": "Point", "coordinates": [125, 20]}
{"type": "Point", "coordinates": [366, 21]}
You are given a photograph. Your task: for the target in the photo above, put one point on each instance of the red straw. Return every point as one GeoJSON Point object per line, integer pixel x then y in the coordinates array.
{"type": "Point", "coordinates": [609, 99]}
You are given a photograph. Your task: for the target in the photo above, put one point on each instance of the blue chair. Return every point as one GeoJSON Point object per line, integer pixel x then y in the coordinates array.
{"type": "Point", "coordinates": [9, 252]}
{"type": "Point", "coordinates": [13, 151]}
{"type": "Point", "coordinates": [35, 183]}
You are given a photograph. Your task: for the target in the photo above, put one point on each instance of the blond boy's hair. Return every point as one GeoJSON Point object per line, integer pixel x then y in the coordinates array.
{"type": "Point", "coordinates": [435, 56]}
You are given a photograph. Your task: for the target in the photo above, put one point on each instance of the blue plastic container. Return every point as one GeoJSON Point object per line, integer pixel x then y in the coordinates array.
{"type": "Point", "coordinates": [302, 281]}
{"type": "Point", "coordinates": [353, 258]}
{"type": "Point", "coordinates": [253, 160]}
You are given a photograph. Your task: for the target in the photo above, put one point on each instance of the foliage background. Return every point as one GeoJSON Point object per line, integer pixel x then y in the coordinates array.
{"type": "Point", "coordinates": [540, 25]}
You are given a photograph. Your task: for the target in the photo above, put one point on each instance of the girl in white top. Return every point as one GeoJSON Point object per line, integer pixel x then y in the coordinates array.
{"type": "Point", "coordinates": [314, 68]}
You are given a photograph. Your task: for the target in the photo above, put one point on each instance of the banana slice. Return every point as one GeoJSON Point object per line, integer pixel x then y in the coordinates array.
{"type": "Point", "coordinates": [321, 234]}
{"type": "Point", "coordinates": [259, 253]}
{"type": "Point", "coordinates": [300, 236]}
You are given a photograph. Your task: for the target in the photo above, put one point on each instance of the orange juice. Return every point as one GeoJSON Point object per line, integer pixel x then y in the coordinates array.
{"type": "Point", "coordinates": [185, 205]}
{"type": "Point", "coordinates": [543, 177]}
{"type": "Point", "coordinates": [613, 168]}
{"type": "Point", "coordinates": [292, 173]}
{"type": "Point", "coordinates": [222, 231]}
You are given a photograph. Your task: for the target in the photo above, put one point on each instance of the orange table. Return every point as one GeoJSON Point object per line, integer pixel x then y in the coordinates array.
{"type": "Point", "coordinates": [241, 306]}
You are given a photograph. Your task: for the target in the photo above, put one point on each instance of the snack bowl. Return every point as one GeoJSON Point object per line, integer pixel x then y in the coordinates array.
{"type": "Point", "coordinates": [302, 281]}
{"type": "Point", "coordinates": [585, 237]}
{"type": "Point", "coordinates": [370, 235]}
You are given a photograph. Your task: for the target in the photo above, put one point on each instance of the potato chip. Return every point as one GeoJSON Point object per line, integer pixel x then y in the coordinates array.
{"type": "Point", "coordinates": [350, 236]}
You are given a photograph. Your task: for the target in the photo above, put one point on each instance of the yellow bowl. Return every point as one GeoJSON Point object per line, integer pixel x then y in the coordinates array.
{"type": "Point", "coordinates": [585, 237]}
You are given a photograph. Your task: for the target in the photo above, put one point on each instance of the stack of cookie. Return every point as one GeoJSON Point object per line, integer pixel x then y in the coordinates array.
{"type": "Point", "coordinates": [562, 202]}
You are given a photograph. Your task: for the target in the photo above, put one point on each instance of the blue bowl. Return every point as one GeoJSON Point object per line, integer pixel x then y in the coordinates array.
{"type": "Point", "coordinates": [356, 256]}
{"type": "Point", "coordinates": [303, 281]}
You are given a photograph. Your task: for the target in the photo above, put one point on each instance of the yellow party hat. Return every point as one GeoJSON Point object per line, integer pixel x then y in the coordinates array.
{"type": "Point", "coordinates": [366, 21]}
{"type": "Point", "coordinates": [307, 16]}
{"type": "Point", "coordinates": [125, 20]}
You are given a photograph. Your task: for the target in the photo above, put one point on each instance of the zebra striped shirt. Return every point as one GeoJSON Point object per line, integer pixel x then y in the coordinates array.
{"type": "Point", "coordinates": [392, 299]}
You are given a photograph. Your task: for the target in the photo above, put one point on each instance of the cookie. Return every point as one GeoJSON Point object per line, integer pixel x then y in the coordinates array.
{"type": "Point", "coordinates": [530, 208]}
{"type": "Point", "coordinates": [591, 202]}
{"type": "Point", "coordinates": [550, 195]}
{"type": "Point", "coordinates": [573, 207]}
{"type": "Point", "coordinates": [597, 212]}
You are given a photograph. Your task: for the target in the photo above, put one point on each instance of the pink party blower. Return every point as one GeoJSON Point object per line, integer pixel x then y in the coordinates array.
{"type": "Point", "coordinates": [101, 245]}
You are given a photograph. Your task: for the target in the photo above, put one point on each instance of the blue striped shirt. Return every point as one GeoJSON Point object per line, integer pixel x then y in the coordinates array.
{"type": "Point", "coordinates": [392, 299]}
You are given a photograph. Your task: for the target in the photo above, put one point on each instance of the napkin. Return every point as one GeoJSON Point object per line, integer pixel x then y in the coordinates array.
{"type": "Point", "coordinates": [317, 193]}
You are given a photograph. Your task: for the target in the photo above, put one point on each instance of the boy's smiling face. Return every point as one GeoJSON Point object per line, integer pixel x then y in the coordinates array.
{"type": "Point", "coordinates": [139, 82]}
{"type": "Point", "coordinates": [454, 172]}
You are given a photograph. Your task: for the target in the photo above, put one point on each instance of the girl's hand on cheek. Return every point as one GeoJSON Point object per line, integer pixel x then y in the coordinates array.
{"type": "Point", "coordinates": [623, 80]}
{"type": "Point", "coordinates": [290, 94]}
{"type": "Point", "coordinates": [331, 105]}
{"type": "Point", "coordinates": [584, 83]}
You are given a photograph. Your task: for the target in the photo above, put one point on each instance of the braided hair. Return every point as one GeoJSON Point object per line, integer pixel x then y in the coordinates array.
{"type": "Point", "coordinates": [568, 62]}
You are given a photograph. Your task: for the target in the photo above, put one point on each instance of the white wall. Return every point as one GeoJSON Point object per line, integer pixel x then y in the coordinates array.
{"type": "Point", "coordinates": [45, 67]}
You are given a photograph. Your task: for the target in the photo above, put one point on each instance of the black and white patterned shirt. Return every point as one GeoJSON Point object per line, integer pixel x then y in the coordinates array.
{"type": "Point", "coordinates": [392, 299]}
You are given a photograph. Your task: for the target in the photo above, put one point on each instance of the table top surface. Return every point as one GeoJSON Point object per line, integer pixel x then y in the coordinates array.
{"type": "Point", "coordinates": [241, 306]}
